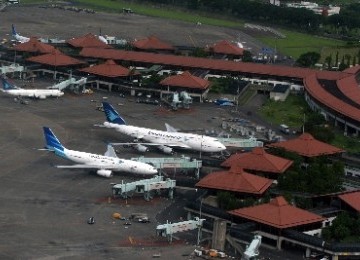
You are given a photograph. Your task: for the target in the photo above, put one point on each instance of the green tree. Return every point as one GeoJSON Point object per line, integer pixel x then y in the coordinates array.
{"type": "Point", "coordinates": [341, 226]}
{"type": "Point", "coordinates": [308, 59]}
{"type": "Point", "coordinates": [337, 59]}
{"type": "Point", "coordinates": [348, 58]}
{"type": "Point", "coordinates": [199, 52]}
{"type": "Point", "coordinates": [247, 56]}
{"type": "Point", "coordinates": [342, 65]}
{"type": "Point", "coordinates": [328, 61]}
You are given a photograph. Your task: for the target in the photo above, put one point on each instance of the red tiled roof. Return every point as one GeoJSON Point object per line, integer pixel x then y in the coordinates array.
{"type": "Point", "coordinates": [258, 160]}
{"type": "Point", "coordinates": [55, 58]}
{"type": "Point", "coordinates": [278, 213]}
{"type": "Point", "coordinates": [212, 64]}
{"type": "Point", "coordinates": [88, 41]}
{"type": "Point", "coordinates": [108, 69]}
{"type": "Point", "coordinates": [186, 80]}
{"type": "Point", "coordinates": [152, 43]}
{"type": "Point", "coordinates": [34, 45]}
{"type": "Point", "coordinates": [349, 87]}
{"type": "Point", "coordinates": [316, 91]}
{"type": "Point", "coordinates": [237, 180]}
{"type": "Point", "coordinates": [306, 145]}
{"type": "Point", "coordinates": [310, 77]}
{"type": "Point", "coordinates": [352, 199]}
{"type": "Point", "coordinates": [353, 70]}
{"type": "Point", "coordinates": [225, 47]}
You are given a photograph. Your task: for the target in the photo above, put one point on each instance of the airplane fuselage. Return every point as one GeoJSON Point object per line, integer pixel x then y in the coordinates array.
{"type": "Point", "coordinates": [21, 39]}
{"type": "Point", "coordinates": [183, 140]}
{"type": "Point", "coordinates": [35, 93]}
{"type": "Point", "coordinates": [107, 162]}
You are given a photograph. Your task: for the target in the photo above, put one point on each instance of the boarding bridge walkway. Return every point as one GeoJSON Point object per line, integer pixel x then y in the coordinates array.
{"type": "Point", "coordinates": [246, 144]}
{"type": "Point", "coordinates": [183, 163]}
{"type": "Point", "coordinates": [144, 186]}
{"type": "Point", "coordinates": [168, 229]}
{"type": "Point", "coordinates": [11, 68]}
{"type": "Point", "coordinates": [71, 81]}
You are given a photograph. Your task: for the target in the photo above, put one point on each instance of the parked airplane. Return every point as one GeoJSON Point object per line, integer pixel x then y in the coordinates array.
{"type": "Point", "coordinates": [17, 36]}
{"type": "Point", "coordinates": [163, 140]}
{"type": "Point", "coordinates": [103, 164]}
{"type": "Point", "coordinates": [10, 89]}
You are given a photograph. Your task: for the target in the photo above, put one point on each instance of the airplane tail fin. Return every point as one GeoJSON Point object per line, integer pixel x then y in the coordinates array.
{"type": "Point", "coordinates": [169, 128]}
{"type": "Point", "coordinates": [6, 85]}
{"type": "Point", "coordinates": [52, 143]}
{"type": "Point", "coordinates": [13, 31]}
{"type": "Point", "coordinates": [112, 115]}
{"type": "Point", "coordinates": [110, 152]}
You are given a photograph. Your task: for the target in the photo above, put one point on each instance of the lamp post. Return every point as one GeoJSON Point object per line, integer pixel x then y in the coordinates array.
{"type": "Point", "coordinates": [199, 226]}
{"type": "Point", "coordinates": [201, 142]}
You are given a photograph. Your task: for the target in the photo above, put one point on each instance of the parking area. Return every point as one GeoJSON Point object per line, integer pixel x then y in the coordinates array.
{"type": "Point", "coordinates": [47, 209]}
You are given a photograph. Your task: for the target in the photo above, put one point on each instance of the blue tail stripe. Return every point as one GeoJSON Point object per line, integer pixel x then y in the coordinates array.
{"type": "Point", "coordinates": [112, 115]}
{"type": "Point", "coordinates": [6, 85]}
{"type": "Point", "coordinates": [52, 143]}
{"type": "Point", "coordinates": [13, 30]}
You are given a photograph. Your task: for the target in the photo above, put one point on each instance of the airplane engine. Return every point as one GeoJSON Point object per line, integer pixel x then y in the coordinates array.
{"type": "Point", "coordinates": [104, 173]}
{"type": "Point", "coordinates": [166, 149]}
{"type": "Point", "coordinates": [141, 148]}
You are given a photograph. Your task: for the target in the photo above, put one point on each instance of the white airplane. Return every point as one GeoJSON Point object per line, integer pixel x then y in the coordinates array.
{"type": "Point", "coordinates": [10, 89]}
{"type": "Point", "coordinates": [163, 140]}
{"type": "Point", "coordinates": [17, 36]}
{"type": "Point", "coordinates": [103, 39]}
{"type": "Point", "coordinates": [103, 164]}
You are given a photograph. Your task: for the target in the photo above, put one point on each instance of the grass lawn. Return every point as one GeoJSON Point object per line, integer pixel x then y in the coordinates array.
{"type": "Point", "coordinates": [327, 51]}
{"type": "Point", "coordinates": [152, 10]}
{"type": "Point", "coordinates": [293, 45]}
{"type": "Point", "coordinates": [296, 43]}
{"type": "Point", "coordinates": [289, 112]}
{"type": "Point", "coordinates": [350, 144]}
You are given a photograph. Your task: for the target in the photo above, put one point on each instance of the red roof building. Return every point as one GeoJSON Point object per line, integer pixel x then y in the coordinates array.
{"type": "Point", "coordinates": [88, 41]}
{"type": "Point", "coordinates": [226, 47]}
{"type": "Point", "coordinates": [211, 64]}
{"type": "Point", "coordinates": [311, 78]}
{"type": "Point", "coordinates": [258, 160]}
{"type": "Point", "coordinates": [55, 58]}
{"type": "Point", "coordinates": [35, 46]}
{"type": "Point", "coordinates": [108, 69]}
{"type": "Point", "coordinates": [306, 145]}
{"type": "Point", "coordinates": [352, 199]}
{"type": "Point", "coordinates": [278, 213]}
{"type": "Point", "coordinates": [152, 43]}
{"type": "Point", "coordinates": [186, 80]}
{"type": "Point", "coordinates": [236, 180]}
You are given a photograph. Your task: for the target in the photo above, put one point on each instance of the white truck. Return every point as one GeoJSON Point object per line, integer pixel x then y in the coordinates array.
{"type": "Point", "coordinates": [285, 129]}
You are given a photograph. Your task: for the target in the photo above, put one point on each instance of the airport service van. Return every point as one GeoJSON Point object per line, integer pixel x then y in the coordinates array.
{"type": "Point", "coordinates": [285, 129]}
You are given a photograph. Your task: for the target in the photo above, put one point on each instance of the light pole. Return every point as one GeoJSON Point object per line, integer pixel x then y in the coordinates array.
{"type": "Point", "coordinates": [201, 141]}
{"type": "Point", "coordinates": [199, 223]}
